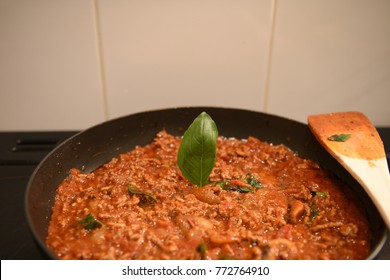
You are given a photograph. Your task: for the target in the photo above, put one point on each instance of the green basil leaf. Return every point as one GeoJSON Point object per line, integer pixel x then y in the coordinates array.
{"type": "Point", "coordinates": [314, 212]}
{"type": "Point", "coordinates": [198, 150]}
{"type": "Point", "coordinates": [244, 190]}
{"type": "Point", "coordinates": [225, 185]}
{"type": "Point", "coordinates": [320, 194]}
{"type": "Point", "coordinates": [252, 180]}
{"type": "Point", "coordinates": [202, 249]}
{"type": "Point", "coordinates": [145, 198]}
{"type": "Point", "coordinates": [90, 222]}
{"type": "Point", "coordinates": [339, 137]}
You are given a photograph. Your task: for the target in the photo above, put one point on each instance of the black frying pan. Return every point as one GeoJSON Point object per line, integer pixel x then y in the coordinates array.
{"type": "Point", "coordinates": [99, 144]}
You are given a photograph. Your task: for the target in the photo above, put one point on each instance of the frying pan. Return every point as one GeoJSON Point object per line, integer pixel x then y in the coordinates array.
{"type": "Point", "coordinates": [97, 145]}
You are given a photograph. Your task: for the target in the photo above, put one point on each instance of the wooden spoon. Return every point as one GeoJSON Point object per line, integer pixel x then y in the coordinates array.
{"type": "Point", "coordinates": [362, 154]}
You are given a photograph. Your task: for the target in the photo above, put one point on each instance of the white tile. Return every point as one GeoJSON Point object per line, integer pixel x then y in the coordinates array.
{"type": "Point", "coordinates": [49, 70]}
{"type": "Point", "coordinates": [331, 56]}
{"type": "Point", "coordinates": [160, 54]}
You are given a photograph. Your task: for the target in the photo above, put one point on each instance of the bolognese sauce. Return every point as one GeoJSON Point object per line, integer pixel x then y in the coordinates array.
{"type": "Point", "coordinates": [262, 201]}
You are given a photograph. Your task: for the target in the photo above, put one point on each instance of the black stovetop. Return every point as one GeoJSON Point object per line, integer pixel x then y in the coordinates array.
{"type": "Point", "coordinates": [20, 153]}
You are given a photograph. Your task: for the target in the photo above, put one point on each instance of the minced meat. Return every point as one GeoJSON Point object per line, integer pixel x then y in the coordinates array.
{"type": "Point", "coordinates": [139, 206]}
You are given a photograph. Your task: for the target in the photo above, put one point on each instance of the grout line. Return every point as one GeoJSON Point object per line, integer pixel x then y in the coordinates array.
{"type": "Point", "coordinates": [99, 44]}
{"type": "Point", "coordinates": [269, 56]}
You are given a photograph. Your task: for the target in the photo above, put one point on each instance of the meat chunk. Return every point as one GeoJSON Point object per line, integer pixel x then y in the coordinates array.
{"type": "Point", "coordinates": [297, 211]}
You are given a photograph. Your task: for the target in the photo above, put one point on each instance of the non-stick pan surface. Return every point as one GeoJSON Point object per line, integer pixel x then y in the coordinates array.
{"type": "Point", "coordinates": [97, 145]}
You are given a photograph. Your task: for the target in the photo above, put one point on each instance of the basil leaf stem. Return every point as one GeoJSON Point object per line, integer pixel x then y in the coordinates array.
{"type": "Point", "coordinates": [198, 150]}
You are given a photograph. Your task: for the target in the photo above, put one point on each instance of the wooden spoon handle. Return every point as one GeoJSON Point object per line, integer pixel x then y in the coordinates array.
{"type": "Point", "coordinates": [374, 178]}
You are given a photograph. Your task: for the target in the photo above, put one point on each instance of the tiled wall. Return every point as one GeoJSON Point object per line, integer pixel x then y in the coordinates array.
{"type": "Point", "coordinates": [75, 63]}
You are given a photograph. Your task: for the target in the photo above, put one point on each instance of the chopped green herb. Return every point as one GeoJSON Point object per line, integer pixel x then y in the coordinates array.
{"type": "Point", "coordinates": [251, 180]}
{"type": "Point", "coordinates": [145, 198]}
{"type": "Point", "coordinates": [228, 186]}
{"type": "Point", "coordinates": [90, 222]}
{"type": "Point", "coordinates": [198, 150]}
{"type": "Point", "coordinates": [244, 185]}
{"type": "Point", "coordinates": [223, 184]}
{"type": "Point", "coordinates": [314, 212]}
{"type": "Point", "coordinates": [202, 249]}
{"type": "Point", "coordinates": [320, 194]}
{"type": "Point", "coordinates": [339, 137]}
{"type": "Point", "coordinates": [242, 189]}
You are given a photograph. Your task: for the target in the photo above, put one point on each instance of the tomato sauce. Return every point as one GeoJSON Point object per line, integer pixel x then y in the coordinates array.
{"type": "Point", "coordinates": [263, 202]}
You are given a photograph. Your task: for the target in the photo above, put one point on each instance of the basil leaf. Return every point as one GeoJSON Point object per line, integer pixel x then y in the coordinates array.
{"type": "Point", "coordinates": [90, 222]}
{"type": "Point", "coordinates": [252, 180]}
{"type": "Point", "coordinates": [145, 198]}
{"type": "Point", "coordinates": [314, 212]}
{"type": "Point", "coordinates": [198, 150]}
{"type": "Point", "coordinates": [202, 249]}
{"type": "Point", "coordinates": [339, 137]}
{"type": "Point", "coordinates": [244, 190]}
{"type": "Point", "coordinates": [227, 185]}
{"type": "Point", "coordinates": [320, 194]}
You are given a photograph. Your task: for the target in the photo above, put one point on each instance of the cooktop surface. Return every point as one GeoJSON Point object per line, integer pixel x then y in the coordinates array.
{"type": "Point", "coordinates": [20, 153]}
